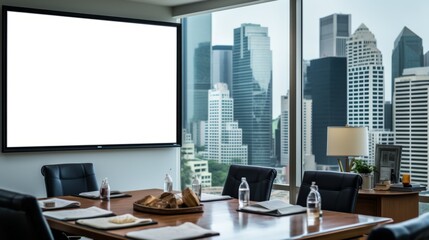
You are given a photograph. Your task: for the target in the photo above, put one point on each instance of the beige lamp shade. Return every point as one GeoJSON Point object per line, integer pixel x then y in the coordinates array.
{"type": "Point", "coordinates": [347, 141]}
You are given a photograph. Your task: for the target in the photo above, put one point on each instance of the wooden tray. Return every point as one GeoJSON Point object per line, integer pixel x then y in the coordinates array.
{"type": "Point", "coordinates": [167, 211]}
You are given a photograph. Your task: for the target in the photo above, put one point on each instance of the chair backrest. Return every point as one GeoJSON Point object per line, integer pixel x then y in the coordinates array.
{"type": "Point", "coordinates": [21, 217]}
{"type": "Point", "coordinates": [338, 190]}
{"type": "Point", "coordinates": [260, 180]}
{"type": "Point", "coordinates": [413, 229]}
{"type": "Point", "coordinates": [69, 179]}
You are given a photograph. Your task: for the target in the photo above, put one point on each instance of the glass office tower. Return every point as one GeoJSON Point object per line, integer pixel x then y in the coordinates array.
{"type": "Point", "coordinates": [252, 90]}
{"type": "Point", "coordinates": [197, 34]}
{"type": "Point", "coordinates": [327, 78]}
{"type": "Point", "coordinates": [334, 32]}
{"type": "Point", "coordinates": [407, 53]}
{"type": "Point", "coordinates": [222, 65]}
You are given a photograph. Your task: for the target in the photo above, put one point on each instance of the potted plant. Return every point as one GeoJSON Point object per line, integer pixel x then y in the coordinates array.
{"type": "Point", "coordinates": [366, 171]}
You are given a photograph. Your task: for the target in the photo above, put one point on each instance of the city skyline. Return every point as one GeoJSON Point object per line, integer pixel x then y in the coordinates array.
{"type": "Point", "coordinates": [362, 11]}
{"type": "Point", "coordinates": [386, 28]}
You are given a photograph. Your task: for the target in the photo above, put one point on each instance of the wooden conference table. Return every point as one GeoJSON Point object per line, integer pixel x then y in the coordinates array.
{"type": "Point", "coordinates": [221, 216]}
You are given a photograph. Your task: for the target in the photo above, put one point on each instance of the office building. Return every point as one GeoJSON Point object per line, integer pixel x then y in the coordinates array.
{"type": "Point", "coordinates": [188, 147]}
{"type": "Point", "coordinates": [410, 121]}
{"type": "Point", "coordinates": [306, 86]}
{"type": "Point", "coordinates": [200, 169]}
{"type": "Point", "coordinates": [252, 90]}
{"type": "Point", "coordinates": [388, 115]}
{"type": "Point", "coordinates": [334, 32]}
{"type": "Point", "coordinates": [378, 137]}
{"type": "Point", "coordinates": [284, 131]}
{"type": "Point", "coordinates": [365, 81]}
{"type": "Point", "coordinates": [407, 52]}
{"type": "Point", "coordinates": [202, 82]}
{"type": "Point", "coordinates": [309, 162]}
{"type": "Point", "coordinates": [196, 75]}
{"type": "Point", "coordinates": [328, 80]}
{"type": "Point", "coordinates": [198, 130]}
{"type": "Point", "coordinates": [276, 140]}
{"type": "Point", "coordinates": [224, 142]}
{"type": "Point", "coordinates": [426, 59]}
{"type": "Point", "coordinates": [222, 65]}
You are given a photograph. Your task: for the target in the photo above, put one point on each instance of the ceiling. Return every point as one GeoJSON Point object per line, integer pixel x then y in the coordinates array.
{"type": "Point", "coordinates": [168, 3]}
{"type": "Point", "coordinates": [189, 7]}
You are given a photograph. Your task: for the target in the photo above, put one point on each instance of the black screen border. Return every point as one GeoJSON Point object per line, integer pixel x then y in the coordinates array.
{"type": "Point", "coordinates": [6, 149]}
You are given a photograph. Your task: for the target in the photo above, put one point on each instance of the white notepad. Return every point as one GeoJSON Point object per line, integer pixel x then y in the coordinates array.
{"type": "Point", "coordinates": [206, 197]}
{"type": "Point", "coordinates": [274, 207]}
{"type": "Point", "coordinates": [81, 213]}
{"type": "Point", "coordinates": [187, 230]}
{"type": "Point", "coordinates": [57, 203]}
{"type": "Point", "coordinates": [109, 223]}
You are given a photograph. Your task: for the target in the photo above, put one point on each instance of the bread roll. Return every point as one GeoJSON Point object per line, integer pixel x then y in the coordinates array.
{"type": "Point", "coordinates": [166, 196]}
{"type": "Point", "coordinates": [158, 203]}
{"type": "Point", "coordinates": [189, 198]}
{"type": "Point", "coordinates": [147, 200]}
{"type": "Point", "coordinates": [172, 203]}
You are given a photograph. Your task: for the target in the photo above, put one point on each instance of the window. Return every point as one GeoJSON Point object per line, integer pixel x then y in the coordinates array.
{"type": "Point", "coordinates": [392, 63]}
{"type": "Point", "coordinates": [236, 103]}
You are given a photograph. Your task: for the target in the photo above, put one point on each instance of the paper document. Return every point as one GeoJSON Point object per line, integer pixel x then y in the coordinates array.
{"type": "Point", "coordinates": [74, 214]}
{"type": "Point", "coordinates": [56, 203]}
{"type": "Point", "coordinates": [187, 230]}
{"type": "Point", "coordinates": [96, 194]}
{"type": "Point", "coordinates": [206, 197]}
{"type": "Point", "coordinates": [121, 221]}
{"type": "Point", "coordinates": [274, 207]}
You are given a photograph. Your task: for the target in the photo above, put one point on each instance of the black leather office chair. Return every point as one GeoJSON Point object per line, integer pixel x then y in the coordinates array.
{"type": "Point", "coordinates": [338, 190]}
{"type": "Point", "coordinates": [413, 229]}
{"type": "Point", "coordinates": [69, 179]}
{"type": "Point", "coordinates": [260, 180]}
{"type": "Point", "coordinates": [21, 218]}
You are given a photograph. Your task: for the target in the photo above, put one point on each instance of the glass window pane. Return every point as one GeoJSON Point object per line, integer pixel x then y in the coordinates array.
{"type": "Point", "coordinates": [366, 67]}
{"type": "Point", "coordinates": [235, 92]}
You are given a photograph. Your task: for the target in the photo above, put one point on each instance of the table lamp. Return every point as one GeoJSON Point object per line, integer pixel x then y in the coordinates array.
{"type": "Point", "coordinates": [347, 142]}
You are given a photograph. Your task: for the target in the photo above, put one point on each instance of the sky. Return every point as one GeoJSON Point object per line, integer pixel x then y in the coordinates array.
{"type": "Point", "coordinates": [384, 18]}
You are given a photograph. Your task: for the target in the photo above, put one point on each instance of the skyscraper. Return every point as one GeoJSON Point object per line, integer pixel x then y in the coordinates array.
{"type": "Point", "coordinates": [202, 82]}
{"type": "Point", "coordinates": [328, 80]}
{"type": "Point", "coordinates": [365, 81]}
{"type": "Point", "coordinates": [407, 53]}
{"type": "Point", "coordinates": [334, 32]}
{"type": "Point", "coordinates": [284, 131]}
{"type": "Point", "coordinates": [224, 141]}
{"type": "Point", "coordinates": [411, 114]}
{"type": "Point", "coordinates": [197, 34]}
{"type": "Point", "coordinates": [252, 90]}
{"type": "Point", "coordinates": [222, 65]}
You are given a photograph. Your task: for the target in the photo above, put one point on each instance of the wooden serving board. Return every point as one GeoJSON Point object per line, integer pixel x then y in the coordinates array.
{"type": "Point", "coordinates": [167, 211]}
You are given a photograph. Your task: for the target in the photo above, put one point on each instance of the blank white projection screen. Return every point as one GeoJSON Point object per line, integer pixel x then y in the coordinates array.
{"type": "Point", "coordinates": [76, 81]}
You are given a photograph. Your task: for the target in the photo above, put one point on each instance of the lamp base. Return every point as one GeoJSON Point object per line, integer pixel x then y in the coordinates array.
{"type": "Point", "coordinates": [348, 164]}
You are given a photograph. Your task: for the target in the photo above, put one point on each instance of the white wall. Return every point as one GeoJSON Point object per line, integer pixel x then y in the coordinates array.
{"type": "Point", "coordinates": [126, 169]}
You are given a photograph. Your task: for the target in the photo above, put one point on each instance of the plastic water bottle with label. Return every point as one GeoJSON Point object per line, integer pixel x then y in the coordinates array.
{"type": "Point", "coordinates": [243, 194]}
{"type": "Point", "coordinates": [313, 202]}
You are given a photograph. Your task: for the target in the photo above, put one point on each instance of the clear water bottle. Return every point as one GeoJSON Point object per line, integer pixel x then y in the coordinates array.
{"type": "Point", "coordinates": [313, 202]}
{"type": "Point", "coordinates": [243, 193]}
{"type": "Point", "coordinates": [319, 197]}
{"type": "Point", "coordinates": [105, 190]}
{"type": "Point", "coordinates": [168, 183]}
{"type": "Point", "coordinates": [196, 187]}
